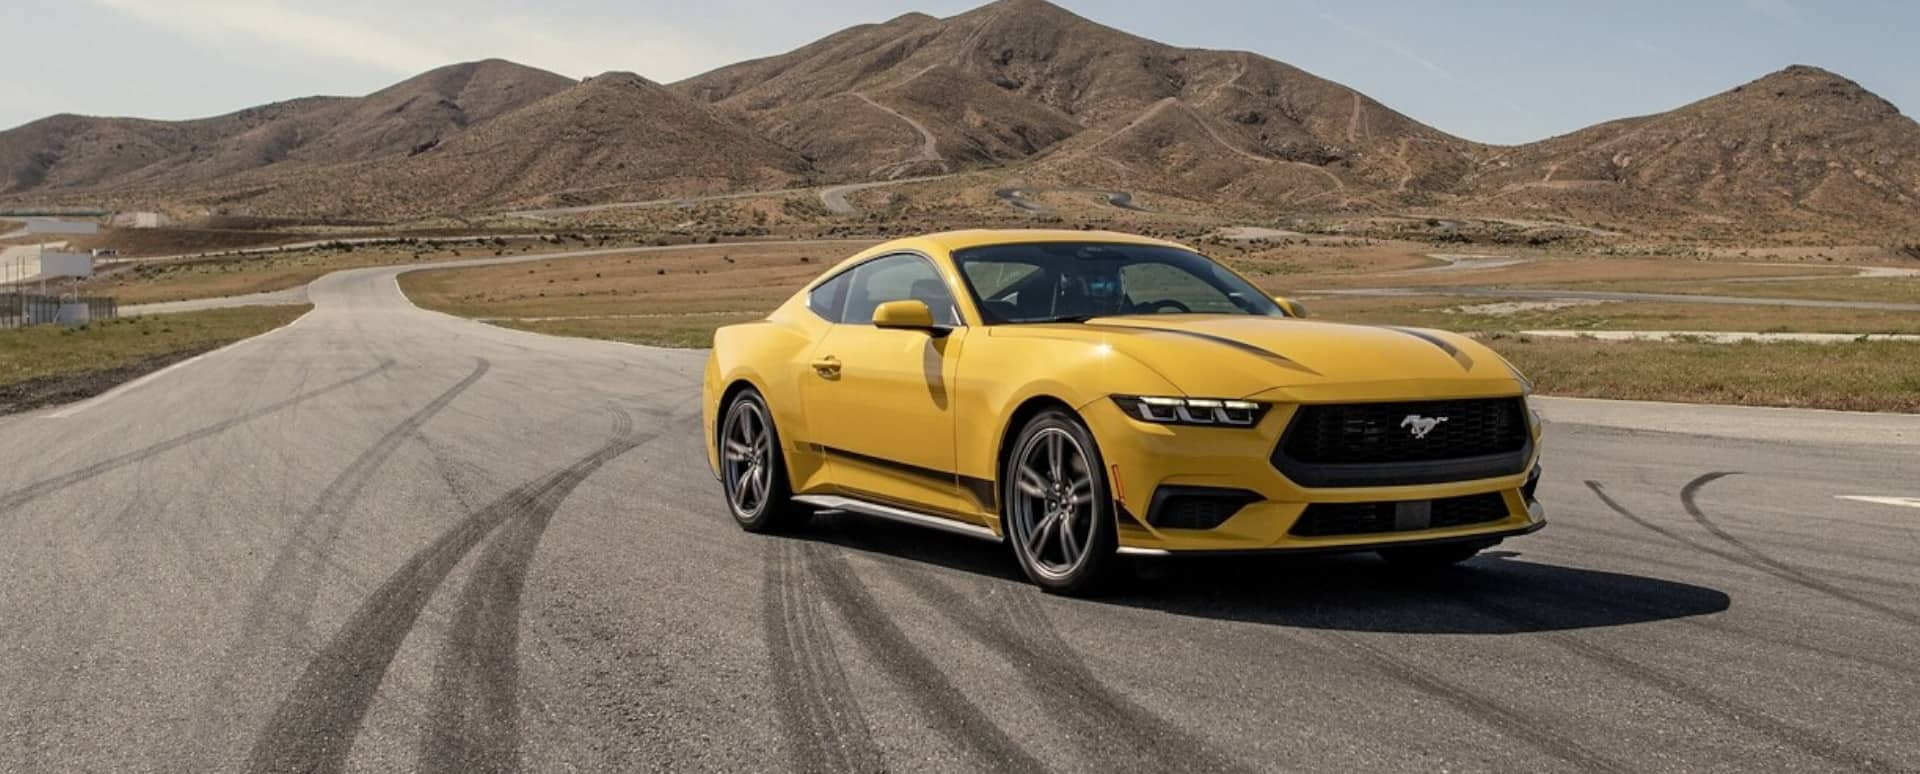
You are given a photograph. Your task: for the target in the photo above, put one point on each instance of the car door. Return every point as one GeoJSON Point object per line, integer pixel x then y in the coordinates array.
{"type": "Point", "coordinates": [880, 401]}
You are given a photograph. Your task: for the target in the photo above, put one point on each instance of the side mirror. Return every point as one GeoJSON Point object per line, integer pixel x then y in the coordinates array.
{"type": "Point", "coordinates": [1291, 307]}
{"type": "Point", "coordinates": [906, 315]}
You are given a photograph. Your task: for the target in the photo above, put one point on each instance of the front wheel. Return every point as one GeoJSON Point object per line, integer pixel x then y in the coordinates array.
{"type": "Point", "coordinates": [1056, 508]}
{"type": "Point", "coordinates": [752, 470]}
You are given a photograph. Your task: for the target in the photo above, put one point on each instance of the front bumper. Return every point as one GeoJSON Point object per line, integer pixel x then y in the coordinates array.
{"type": "Point", "coordinates": [1147, 461]}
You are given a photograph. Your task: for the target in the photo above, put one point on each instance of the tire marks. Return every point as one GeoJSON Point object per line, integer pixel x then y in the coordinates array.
{"type": "Point", "coordinates": [909, 666]}
{"type": "Point", "coordinates": [1499, 717]}
{"type": "Point", "coordinates": [280, 610]}
{"type": "Point", "coordinates": [314, 726]}
{"type": "Point", "coordinates": [299, 565]}
{"type": "Point", "coordinates": [1746, 557]}
{"type": "Point", "coordinates": [37, 490]}
{"type": "Point", "coordinates": [1752, 718]}
{"type": "Point", "coordinates": [1113, 731]}
{"type": "Point", "coordinates": [474, 725]}
{"type": "Point", "coordinates": [819, 716]}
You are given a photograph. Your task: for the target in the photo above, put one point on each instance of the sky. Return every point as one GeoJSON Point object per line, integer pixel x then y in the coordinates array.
{"type": "Point", "coordinates": [1500, 72]}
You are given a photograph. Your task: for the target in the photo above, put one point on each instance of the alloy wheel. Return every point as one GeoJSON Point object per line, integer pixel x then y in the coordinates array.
{"type": "Point", "coordinates": [747, 450]}
{"type": "Point", "coordinates": [1053, 510]}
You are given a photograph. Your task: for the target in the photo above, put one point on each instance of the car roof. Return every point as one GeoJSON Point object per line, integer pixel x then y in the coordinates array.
{"type": "Point", "coordinates": [949, 241]}
{"type": "Point", "coordinates": [961, 240]}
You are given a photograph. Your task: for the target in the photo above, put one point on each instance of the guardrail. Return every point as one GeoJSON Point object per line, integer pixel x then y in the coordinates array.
{"type": "Point", "coordinates": [19, 310]}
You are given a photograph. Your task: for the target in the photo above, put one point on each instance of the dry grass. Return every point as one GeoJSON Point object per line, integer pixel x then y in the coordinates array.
{"type": "Point", "coordinates": [671, 298]}
{"type": "Point", "coordinates": [678, 298]}
{"type": "Point", "coordinates": [1569, 271]}
{"type": "Point", "coordinates": [52, 364]}
{"type": "Point", "coordinates": [1860, 376]}
{"type": "Point", "coordinates": [686, 331]}
{"type": "Point", "coordinates": [1462, 313]}
{"type": "Point", "coordinates": [1905, 290]}
{"type": "Point", "coordinates": [241, 275]}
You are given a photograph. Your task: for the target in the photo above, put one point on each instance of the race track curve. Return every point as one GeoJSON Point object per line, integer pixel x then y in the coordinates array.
{"type": "Point", "coordinates": [388, 539]}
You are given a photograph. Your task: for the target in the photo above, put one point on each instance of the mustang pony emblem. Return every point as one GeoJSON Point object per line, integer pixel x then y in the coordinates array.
{"type": "Point", "coordinates": [1419, 426]}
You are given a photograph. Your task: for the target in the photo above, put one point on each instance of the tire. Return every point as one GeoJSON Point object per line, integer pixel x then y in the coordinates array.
{"type": "Point", "coordinates": [753, 472]}
{"type": "Point", "coordinates": [1056, 509]}
{"type": "Point", "coordinates": [1434, 557]}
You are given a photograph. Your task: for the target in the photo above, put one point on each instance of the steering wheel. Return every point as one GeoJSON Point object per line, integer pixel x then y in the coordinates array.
{"type": "Point", "coordinates": [1157, 307]}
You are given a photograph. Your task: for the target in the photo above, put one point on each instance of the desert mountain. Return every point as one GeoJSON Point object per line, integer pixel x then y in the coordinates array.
{"type": "Point", "coordinates": [1801, 144]}
{"type": "Point", "coordinates": [1021, 79]}
{"type": "Point", "coordinates": [1025, 88]}
{"type": "Point", "coordinates": [76, 152]}
{"type": "Point", "coordinates": [612, 137]}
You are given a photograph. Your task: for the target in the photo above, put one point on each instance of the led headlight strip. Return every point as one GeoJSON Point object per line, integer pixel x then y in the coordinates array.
{"type": "Point", "coordinates": [1192, 411]}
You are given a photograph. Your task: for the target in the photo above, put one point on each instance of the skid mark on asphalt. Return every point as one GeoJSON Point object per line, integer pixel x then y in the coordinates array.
{"type": "Point", "coordinates": [314, 727]}
{"type": "Point", "coordinates": [944, 705]}
{"type": "Point", "coordinates": [298, 567]}
{"type": "Point", "coordinates": [1754, 561]}
{"type": "Point", "coordinates": [1656, 611]}
{"type": "Point", "coordinates": [1499, 717]}
{"type": "Point", "coordinates": [475, 721]}
{"type": "Point", "coordinates": [1479, 601]}
{"type": "Point", "coordinates": [40, 489]}
{"type": "Point", "coordinates": [820, 718]}
{"type": "Point", "coordinates": [281, 609]}
{"type": "Point", "coordinates": [1113, 731]}
{"type": "Point", "coordinates": [1638, 538]}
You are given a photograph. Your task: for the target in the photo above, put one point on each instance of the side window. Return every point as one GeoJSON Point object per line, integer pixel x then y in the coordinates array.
{"type": "Point", "coordinates": [830, 297]}
{"type": "Point", "coordinates": [898, 278]}
{"type": "Point", "coordinates": [1008, 289]}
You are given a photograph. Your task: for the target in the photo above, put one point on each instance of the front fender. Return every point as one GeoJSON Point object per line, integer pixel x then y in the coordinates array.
{"type": "Point", "coordinates": [999, 375]}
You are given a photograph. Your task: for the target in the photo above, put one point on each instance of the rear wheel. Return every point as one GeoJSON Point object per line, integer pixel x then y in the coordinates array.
{"type": "Point", "coordinates": [1436, 556]}
{"type": "Point", "coordinates": [1056, 509]}
{"type": "Point", "coordinates": [752, 470]}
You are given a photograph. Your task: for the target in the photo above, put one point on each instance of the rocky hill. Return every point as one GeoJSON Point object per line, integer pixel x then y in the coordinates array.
{"type": "Point", "coordinates": [1027, 90]}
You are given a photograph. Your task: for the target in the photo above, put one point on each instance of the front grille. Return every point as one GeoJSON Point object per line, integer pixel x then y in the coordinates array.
{"type": "Point", "coordinates": [1379, 432]}
{"type": "Point", "coordinates": [1375, 444]}
{"type": "Point", "coordinates": [1327, 519]}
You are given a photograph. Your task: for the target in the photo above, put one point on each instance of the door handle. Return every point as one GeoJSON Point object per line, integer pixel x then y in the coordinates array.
{"type": "Point", "coordinates": [827, 366]}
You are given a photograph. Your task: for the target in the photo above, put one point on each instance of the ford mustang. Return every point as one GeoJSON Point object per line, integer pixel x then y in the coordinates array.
{"type": "Point", "coordinates": [1085, 397]}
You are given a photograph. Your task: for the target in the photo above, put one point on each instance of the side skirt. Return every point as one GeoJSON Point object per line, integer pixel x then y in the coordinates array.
{"type": "Point", "coordinates": [864, 507]}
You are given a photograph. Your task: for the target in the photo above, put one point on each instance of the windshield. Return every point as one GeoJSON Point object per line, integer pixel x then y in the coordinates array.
{"type": "Point", "coordinates": [1073, 281]}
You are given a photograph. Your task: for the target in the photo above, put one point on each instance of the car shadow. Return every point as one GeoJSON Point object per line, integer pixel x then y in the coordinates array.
{"type": "Point", "coordinates": [1498, 592]}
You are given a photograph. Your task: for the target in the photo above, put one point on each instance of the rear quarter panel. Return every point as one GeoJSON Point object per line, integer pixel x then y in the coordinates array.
{"type": "Point", "coordinates": [770, 355]}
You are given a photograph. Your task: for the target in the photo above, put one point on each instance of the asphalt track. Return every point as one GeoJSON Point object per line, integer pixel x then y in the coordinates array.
{"type": "Point", "coordinates": [386, 539]}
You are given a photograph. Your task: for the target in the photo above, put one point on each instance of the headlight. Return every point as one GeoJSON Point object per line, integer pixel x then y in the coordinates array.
{"type": "Point", "coordinates": [1192, 411]}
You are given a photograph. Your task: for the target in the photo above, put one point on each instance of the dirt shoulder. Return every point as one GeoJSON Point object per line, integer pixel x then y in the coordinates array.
{"type": "Point", "coordinates": [49, 365]}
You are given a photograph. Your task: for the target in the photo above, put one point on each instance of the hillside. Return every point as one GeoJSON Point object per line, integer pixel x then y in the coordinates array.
{"type": "Point", "coordinates": [72, 153]}
{"type": "Point", "coordinates": [615, 136]}
{"type": "Point", "coordinates": [1801, 147]}
{"type": "Point", "coordinates": [1038, 97]}
{"type": "Point", "coordinates": [1014, 80]}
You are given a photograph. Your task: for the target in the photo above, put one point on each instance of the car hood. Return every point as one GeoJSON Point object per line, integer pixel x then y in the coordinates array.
{"type": "Point", "coordinates": [1290, 359]}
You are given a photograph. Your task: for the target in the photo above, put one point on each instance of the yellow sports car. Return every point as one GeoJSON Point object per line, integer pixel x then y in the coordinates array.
{"type": "Point", "coordinates": [1086, 396]}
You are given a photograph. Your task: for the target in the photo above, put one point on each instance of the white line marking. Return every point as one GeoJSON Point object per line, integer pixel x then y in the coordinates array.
{"type": "Point", "coordinates": [1907, 502]}
{"type": "Point", "coordinates": [135, 384]}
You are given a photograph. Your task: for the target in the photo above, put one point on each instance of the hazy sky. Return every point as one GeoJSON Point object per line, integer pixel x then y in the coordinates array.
{"type": "Point", "coordinates": [1501, 72]}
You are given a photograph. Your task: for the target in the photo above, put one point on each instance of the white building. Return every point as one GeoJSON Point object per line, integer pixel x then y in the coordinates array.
{"type": "Point", "coordinates": [140, 220]}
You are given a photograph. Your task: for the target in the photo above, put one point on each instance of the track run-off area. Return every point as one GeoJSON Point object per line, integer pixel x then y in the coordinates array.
{"type": "Point", "coordinates": [388, 539]}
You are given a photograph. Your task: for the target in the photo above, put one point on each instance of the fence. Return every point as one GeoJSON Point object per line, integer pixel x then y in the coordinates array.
{"type": "Point", "coordinates": [18, 310]}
